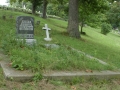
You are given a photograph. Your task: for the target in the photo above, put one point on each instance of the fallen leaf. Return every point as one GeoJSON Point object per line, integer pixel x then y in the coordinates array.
{"type": "Point", "coordinates": [89, 71]}
{"type": "Point", "coordinates": [72, 87]}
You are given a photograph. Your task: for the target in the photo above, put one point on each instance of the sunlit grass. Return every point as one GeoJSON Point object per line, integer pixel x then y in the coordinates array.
{"type": "Point", "coordinates": [40, 58]}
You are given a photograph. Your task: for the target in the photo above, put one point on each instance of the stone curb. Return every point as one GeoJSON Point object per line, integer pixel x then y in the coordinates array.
{"type": "Point", "coordinates": [23, 76]}
{"type": "Point", "coordinates": [83, 75]}
{"type": "Point", "coordinates": [13, 74]}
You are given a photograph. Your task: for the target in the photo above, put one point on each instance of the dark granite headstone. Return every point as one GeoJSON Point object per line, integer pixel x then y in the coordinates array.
{"type": "Point", "coordinates": [25, 27]}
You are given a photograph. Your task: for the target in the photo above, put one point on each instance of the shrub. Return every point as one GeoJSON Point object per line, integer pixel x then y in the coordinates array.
{"type": "Point", "coordinates": [106, 28]}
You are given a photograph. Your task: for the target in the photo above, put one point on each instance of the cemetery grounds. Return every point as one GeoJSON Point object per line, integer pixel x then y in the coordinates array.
{"type": "Point", "coordinates": [106, 48]}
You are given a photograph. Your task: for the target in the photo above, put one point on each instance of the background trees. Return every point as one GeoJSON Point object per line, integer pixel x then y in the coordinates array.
{"type": "Point", "coordinates": [35, 3]}
{"type": "Point", "coordinates": [90, 12]}
{"type": "Point", "coordinates": [113, 15]}
{"type": "Point", "coordinates": [80, 11]}
{"type": "Point", "coordinates": [86, 7]}
{"type": "Point", "coordinates": [45, 3]}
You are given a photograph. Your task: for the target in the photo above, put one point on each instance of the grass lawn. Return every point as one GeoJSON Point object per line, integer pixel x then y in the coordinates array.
{"type": "Point", "coordinates": [38, 58]}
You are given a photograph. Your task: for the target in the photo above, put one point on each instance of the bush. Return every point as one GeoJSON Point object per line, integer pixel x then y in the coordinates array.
{"type": "Point", "coordinates": [106, 28]}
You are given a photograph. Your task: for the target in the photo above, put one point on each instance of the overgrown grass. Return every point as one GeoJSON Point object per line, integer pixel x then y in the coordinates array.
{"type": "Point", "coordinates": [38, 58]}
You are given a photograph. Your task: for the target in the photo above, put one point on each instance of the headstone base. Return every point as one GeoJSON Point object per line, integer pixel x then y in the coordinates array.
{"type": "Point", "coordinates": [52, 46]}
{"type": "Point", "coordinates": [28, 41]}
{"type": "Point", "coordinates": [47, 39]}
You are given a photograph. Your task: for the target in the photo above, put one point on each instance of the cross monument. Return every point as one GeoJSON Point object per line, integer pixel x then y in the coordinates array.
{"type": "Point", "coordinates": [47, 33]}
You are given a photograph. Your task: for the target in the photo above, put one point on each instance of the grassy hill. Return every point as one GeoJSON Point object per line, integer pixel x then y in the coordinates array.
{"type": "Point", "coordinates": [37, 57]}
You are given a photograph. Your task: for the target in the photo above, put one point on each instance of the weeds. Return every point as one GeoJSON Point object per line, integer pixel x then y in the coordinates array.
{"type": "Point", "coordinates": [39, 58]}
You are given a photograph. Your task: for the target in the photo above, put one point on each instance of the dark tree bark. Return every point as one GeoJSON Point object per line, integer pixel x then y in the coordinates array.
{"type": "Point", "coordinates": [82, 23]}
{"type": "Point", "coordinates": [73, 22]}
{"type": "Point", "coordinates": [35, 4]}
{"type": "Point", "coordinates": [81, 28]}
{"type": "Point", "coordinates": [33, 8]}
{"type": "Point", "coordinates": [45, 3]}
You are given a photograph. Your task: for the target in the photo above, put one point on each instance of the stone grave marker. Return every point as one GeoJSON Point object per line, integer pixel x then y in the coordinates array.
{"type": "Point", "coordinates": [24, 7]}
{"type": "Point", "coordinates": [25, 29]}
{"type": "Point", "coordinates": [47, 33]}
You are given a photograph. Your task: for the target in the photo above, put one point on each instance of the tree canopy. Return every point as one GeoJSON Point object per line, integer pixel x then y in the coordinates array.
{"type": "Point", "coordinates": [78, 10]}
{"type": "Point", "coordinates": [35, 3]}
{"type": "Point", "coordinates": [113, 15]}
{"type": "Point", "coordinates": [87, 6]}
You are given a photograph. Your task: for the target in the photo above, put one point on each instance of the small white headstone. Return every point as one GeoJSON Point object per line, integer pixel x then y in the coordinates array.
{"type": "Point", "coordinates": [47, 33]}
{"type": "Point", "coordinates": [24, 7]}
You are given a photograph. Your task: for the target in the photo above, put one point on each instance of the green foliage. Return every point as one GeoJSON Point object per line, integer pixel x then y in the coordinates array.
{"type": "Point", "coordinates": [91, 12]}
{"type": "Point", "coordinates": [57, 83]}
{"type": "Point", "coordinates": [35, 3]}
{"type": "Point", "coordinates": [95, 20]}
{"type": "Point", "coordinates": [38, 76]}
{"type": "Point", "coordinates": [94, 5]}
{"type": "Point", "coordinates": [29, 5]}
{"type": "Point", "coordinates": [58, 10]}
{"type": "Point", "coordinates": [38, 58]}
{"type": "Point", "coordinates": [113, 15]}
{"type": "Point", "coordinates": [105, 28]}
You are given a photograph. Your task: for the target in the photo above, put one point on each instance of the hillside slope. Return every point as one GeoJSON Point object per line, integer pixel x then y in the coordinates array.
{"type": "Point", "coordinates": [94, 43]}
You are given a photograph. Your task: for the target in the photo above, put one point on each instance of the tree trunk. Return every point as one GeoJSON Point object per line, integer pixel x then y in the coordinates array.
{"type": "Point", "coordinates": [73, 22]}
{"type": "Point", "coordinates": [45, 3]}
{"type": "Point", "coordinates": [82, 26]}
{"type": "Point", "coordinates": [33, 8]}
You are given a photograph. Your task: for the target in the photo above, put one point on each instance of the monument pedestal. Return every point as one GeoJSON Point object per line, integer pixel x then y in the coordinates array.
{"type": "Point", "coordinates": [47, 39]}
{"type": "Point", "coordinates": [28, 41]}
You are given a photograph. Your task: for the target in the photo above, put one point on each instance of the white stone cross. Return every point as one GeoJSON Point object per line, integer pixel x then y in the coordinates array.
{"type": "Point", "coordinates": [47, 33]}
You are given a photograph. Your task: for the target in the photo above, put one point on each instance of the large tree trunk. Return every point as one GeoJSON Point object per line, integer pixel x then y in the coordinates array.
{"type": "Point", "coordinates": [45, 3]}
{"type": "Point", "coordinates": [73, 22]}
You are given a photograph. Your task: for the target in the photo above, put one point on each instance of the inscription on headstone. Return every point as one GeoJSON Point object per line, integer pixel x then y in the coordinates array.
{"type": "Point", "coordinates": [25, 27]}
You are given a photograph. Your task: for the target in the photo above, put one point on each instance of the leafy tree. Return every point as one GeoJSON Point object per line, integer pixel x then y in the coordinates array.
{"type": "Point", "coordinates": [35, 3]}
{"type": "Point", "coordinates": [95, 20]}
{"type": "Point", "coordinates": [91, 5]}
{"type": "Point", "coordinates": [113, 15]}
{"type": "Point", "coordinates": [58, 9]}
{"type": "Point", "coordinates": [55, 2]}
{"type": "Point", "coordinates": [73, 20]}
{"type": "Point", "coordinates": [105, 28]}
{"type": "Point", "coordinates": [88, 11]}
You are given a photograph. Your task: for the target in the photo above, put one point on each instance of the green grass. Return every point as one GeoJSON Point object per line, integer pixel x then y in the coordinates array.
{"type": "Point", "coordinates": [38, 58]}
